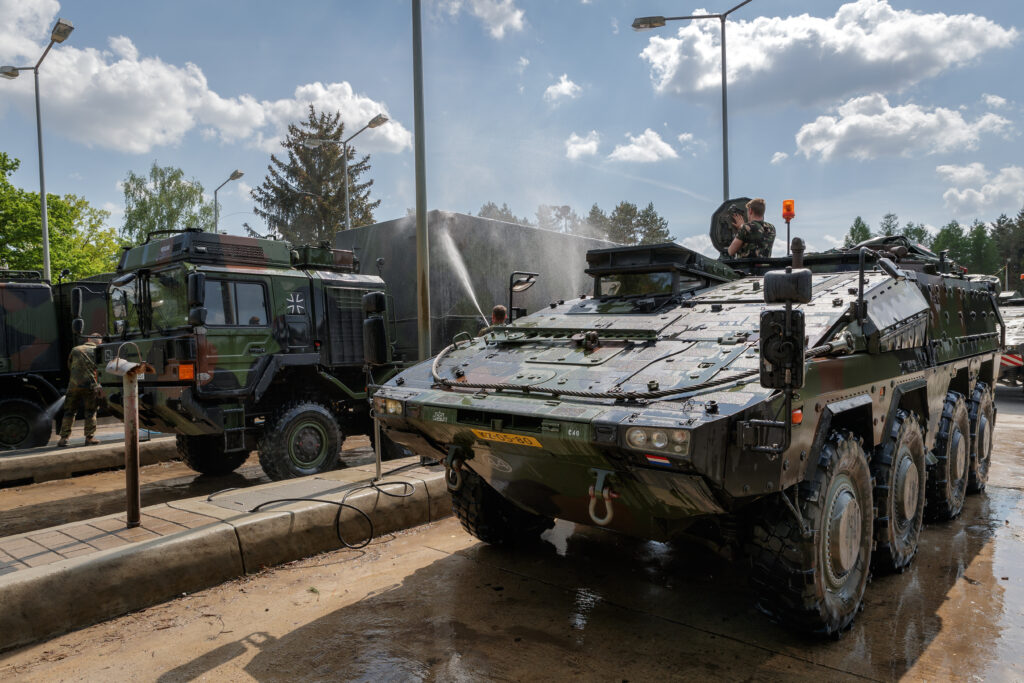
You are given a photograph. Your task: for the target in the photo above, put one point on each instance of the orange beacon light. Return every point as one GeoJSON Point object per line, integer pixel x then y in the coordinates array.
{"type": "Point", "coordinates": [788, 209]}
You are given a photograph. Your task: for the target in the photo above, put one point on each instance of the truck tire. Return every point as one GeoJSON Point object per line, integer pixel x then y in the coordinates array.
{"type": "Point", "coordinates": [300, 439]}
{"type": "Point", "coordinates": [816, 583]}
{"type": "Point", "coordinates": [898, 469]}
{"type": "Point", "coordinates": [947, 478]}
{"type": "Point", "coordinates": [485, 514]}
{"type": "Point", "coordinates": [23, 424]}
{"type": "Point", "coordinates": [982, 412]}
{"type": "Point", "coordinates": [205, 454]}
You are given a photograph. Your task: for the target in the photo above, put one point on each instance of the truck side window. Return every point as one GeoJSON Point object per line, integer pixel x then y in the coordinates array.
{"type": "Point", "coordinates": [218, 303]}
{"type": "Point", "coordinates": [251, 304]}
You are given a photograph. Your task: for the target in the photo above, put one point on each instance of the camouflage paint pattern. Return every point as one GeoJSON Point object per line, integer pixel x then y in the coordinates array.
{"type": "Point", "coordinates": [922, 335]}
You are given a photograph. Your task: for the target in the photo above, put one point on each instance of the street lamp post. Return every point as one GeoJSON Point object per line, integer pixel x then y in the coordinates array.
{"type": "Point", "coordinates": [235, 175]}
{"type": "Point", "coordinates": [60, 32]}
{"type": "Point", "coordinates": [314, 143]}
{"type": "Point", "coordinates": [646, 23]}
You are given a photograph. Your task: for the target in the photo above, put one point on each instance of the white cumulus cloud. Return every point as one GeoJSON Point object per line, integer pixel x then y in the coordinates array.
{"type": "Point", "coordinates": [498, 16]}
{"type": "Point", "coordinates": [865, 46]}
{"type": "Point", "coordinates": [576, 146]}
{"type": "Point", "coordinates": [646, 147]}
{"type": "Point", "coordinates": [980, 190]}
{"type": "Point", "coordinates": [522, 64]}
{"type": "Point", "coordinates": [699, 243]}
{"type": "Point", "coordinates": [779, 157]}
{"type": "Point", "coordinates": [564, 88]}
{"type": "Point", "coordinates": [119, 99]}
{"type": "Point", "coordinates": [869, 127]}
{"type": "Point", "coordinates": [690, 144]}
{"type": "Point", "coordinates": [994, 101]}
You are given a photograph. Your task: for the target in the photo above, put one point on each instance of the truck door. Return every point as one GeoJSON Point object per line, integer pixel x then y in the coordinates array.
{"type": "Point", "coordinates": [238, 333]}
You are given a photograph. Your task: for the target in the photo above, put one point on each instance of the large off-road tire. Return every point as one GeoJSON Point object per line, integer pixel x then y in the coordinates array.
{"type": "Point", "coordinates": [982, 412]}
{"type": "Point", "coordinates": [898, 469]}
{"type": "Point", "coordinates": [816, 582]}
{"type": "Point", "coordinates": [947, 478]}
{"type": "Point", "coordinates": [205, 454]}
{"type": "Point", "coordinates": [300, 439]}
{"type": "Point", "coordinates": [485, 514]}
{"type": "Point", "coordinates": [23, 424]}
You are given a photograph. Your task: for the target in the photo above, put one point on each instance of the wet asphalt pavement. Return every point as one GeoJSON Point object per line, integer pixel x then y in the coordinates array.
{"type": "Point", "coordinates": [433, 603]}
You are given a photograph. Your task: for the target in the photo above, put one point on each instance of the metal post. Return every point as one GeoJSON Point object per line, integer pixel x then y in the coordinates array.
{"type": "Point", "coordinates": [216, 208]}
{"type": "Point", "coordinates": [422, 240]}
{"type": "Point", "coordinates": [344, 175]}
{"type": "Point", "coordinates": [133, 495]}
{"type": "Point", "coordinates": [1006, 276]}
{"type": "Point", "coordinates": [725, 123]}
{"type": "Point", "coordinates": [377, 447]}
{"type": "Point", "coordinates": [42, 178]}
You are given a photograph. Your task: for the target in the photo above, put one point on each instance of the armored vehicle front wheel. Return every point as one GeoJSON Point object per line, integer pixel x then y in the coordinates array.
{"type": "Point", "coordinates": [300, 439]}
{"type": "Point", "coordinates": [205, 454]}
{"type": "Point", "coordinates": [898, 469]}
{"type": "Point", "coordinates": [485, 514]}
{"type": "Point", "coordinates": [23, 424]}
{"type": "Point", "coordinates": [983, 421]}
{"type": "Point", "coordinates": [947, 478]}
{"type": "Point", "coordinates": [810, 571]}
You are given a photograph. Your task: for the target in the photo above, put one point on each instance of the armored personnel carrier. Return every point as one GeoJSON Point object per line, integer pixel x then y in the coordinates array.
{"type": "Point", "coordinates": [1011, 364]}
{"type": "Point", "coordinates": [256, 345]}
{"type": "Point", "coordinates": [813, 420]}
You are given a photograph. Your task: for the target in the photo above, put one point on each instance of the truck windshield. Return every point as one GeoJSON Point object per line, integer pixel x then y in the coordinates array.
{"type": "Point", "coordinates": [124, 310]}
{"type": "Point", "coordinates": [632, 284]}
{"type": "Point", "coordinates": [168, 308]}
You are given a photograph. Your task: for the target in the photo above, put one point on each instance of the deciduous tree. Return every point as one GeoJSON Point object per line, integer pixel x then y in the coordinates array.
{"type": "Point", "coordinates": [163, 200]}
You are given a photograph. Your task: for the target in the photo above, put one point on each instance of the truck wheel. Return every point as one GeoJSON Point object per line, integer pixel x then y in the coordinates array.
{"type": "Point", "coordinates": [947, 478]}
{"type": "Point", "coordinates": [23, 424]}
{"type": "Point", "coordinates": [485, 514]}
{"type": "Point", "coordinates": [816, 582]}
{"type": "Point", "coordinates": [205, 454]}
{"type": "Point", "coordinates": [983, 421]}
{"type": "Point", "coordinates": [898, 469]}
{"type": "Point", "coordinates": [300, 439]}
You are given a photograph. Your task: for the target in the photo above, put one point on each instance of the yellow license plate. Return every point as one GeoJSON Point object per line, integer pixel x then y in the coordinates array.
{"type": "Point", "coordinates": [507, 438]}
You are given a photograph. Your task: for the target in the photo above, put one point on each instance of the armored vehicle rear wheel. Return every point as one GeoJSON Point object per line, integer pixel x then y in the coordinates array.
{"type": "Point", "coordinates": [947, 478]}
{"type": "Point", "coordinates": [983, 421]}
{"type": "Point", "coordinates": [205, 454]}
{"type": "Point", "coordinates": [898, 469]}
{"type": "Point", "coordinates": [300, 439]}
{"type": "Point", "coordinates": [815, 581]}
{"type": "Point", "coordinates": [23, 424]}
{"type": "Point", "coordinates": [485, 514]}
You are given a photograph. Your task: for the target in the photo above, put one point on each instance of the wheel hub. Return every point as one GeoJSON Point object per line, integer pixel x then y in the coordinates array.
{"type": "Point", "coordinates": [908, 483]}
{"type": "Point", "coordinates": [307, 446]}
{"type": "Point", "coordinates": [959, 455]}
{"type": "Point", "coordinates": [13, 429]}
{"type": "Point", "coordinates": [844, 533]}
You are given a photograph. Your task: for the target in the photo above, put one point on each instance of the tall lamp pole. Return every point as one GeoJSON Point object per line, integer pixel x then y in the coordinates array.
{"type": "Point", "coordinates": [313, 143]}
{"type": "Point", "coordinates": [645, 23]}
{"type": "Point", "coordinates": [60, 32]}
{"type": "Point", "coordinates": [235, 175]}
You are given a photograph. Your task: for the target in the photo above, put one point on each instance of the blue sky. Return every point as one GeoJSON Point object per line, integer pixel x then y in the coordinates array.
{"type": "Point", "coordinates": [850, 108]}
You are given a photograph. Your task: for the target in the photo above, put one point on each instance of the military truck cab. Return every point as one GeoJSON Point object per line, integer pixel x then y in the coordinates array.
{"type": "Point", "coordinates": [256, 345]}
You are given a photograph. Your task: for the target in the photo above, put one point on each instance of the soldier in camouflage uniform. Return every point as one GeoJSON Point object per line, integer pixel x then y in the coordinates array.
{"type": "Point", "coordinates": [756, 237]}
{"type": "Point", "coordinates": [83, 388]}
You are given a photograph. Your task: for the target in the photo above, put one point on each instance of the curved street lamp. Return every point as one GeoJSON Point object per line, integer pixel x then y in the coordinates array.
{"type": "Point", "coordinates": [646, 23]}
{"type": "Point", "coordinates": [60, 33]}
{"type": "Point", "coordinates": [315, 143]}
{"type": "Point", "coordinates": [235, 175]}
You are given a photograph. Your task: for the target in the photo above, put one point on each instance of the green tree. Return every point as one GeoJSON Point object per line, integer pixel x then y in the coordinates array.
{"type": "Point", "coordinates": [1008, 236]}
{"type": "Point", "coordinates": [502, 213]}
{"type": "Point", "coordinates": [982, 255]}
{"type": "Point", "coordinates": [917, 234]}
{"type": "Point", "coordinates": [952, 238]}
{"type": "Point", "coordinates": [622, 224]}
{"type": "Point", "coordinates": [597, 222]}
{"type": "Point", "coordinates": [302, 199]}
{"type": "Point", "coordinates": [80, 239]}
{"type": "Point", "coordinates": [163, 200]}
{"type": "Point", "coordinates": [857, 233]}
{"type": "Point", "coordinates": [546, 218]}
{"type": "Point", "coordinates": [889, 225]}
{"type": "Point", "coordinates": [651, 227]}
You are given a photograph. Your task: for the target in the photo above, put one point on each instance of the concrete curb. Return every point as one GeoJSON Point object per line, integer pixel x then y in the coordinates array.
{"type": "Point", "coordinates": [62, 463]}
{"type": "Point", "coordinates": [46, 601]}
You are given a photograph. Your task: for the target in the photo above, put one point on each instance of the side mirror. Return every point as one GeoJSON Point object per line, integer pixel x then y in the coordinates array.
{"type": "Point", "coordinates": [196, 290]}
{"type": "Point", "coordinates": [76, 302]}
{"type": "Point", "coordinates": [197, 316]}
{"type": "Point", "coordinates": [375, 341]}
{"type": "Point", "coordinates": [789, 286]}
{"type": "Point", "coordinates": [78, 326]}
{"type": "Point", "coordinates": [373, 303]}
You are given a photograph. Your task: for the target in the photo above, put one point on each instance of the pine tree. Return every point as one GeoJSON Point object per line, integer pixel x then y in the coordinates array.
{"type": "Point", "coordinates": [546, 218]}
{"type": "Point", "coordinates": [951, 238]}
{"type": "Point", "coordinates": [982, 256]}
{"type": "Point", "coordinates": [890, 225]}
{"type": "Point", "coordinates": [858, 232]}
{"type": "Point", "coordinates": [502, 213]}
{"type": "Point", "coordinates": [303, 197]}
{"type": "Point", "coordinates": [622, 224]}
{"type": "Point", "coordinates": [917, 234]}
{"type": "Point", "coordinates": [652, 228]}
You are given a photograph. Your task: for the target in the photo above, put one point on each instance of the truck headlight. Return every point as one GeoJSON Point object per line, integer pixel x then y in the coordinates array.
{"type": "Point", "coordinates": [659, 439]}
{"type": "Point", "coordinates": [636, 437]}
{"type": "Point", "coordinates": [393, 407]}
{"type": "Point", "coordinates": [672, 441]}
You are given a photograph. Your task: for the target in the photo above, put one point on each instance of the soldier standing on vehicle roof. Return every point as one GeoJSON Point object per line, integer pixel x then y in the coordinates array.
{"type": "Point", "coordinates": [756, 237]}
{"type": "Point", "coordinates": [83, 390]}
{"type": "Point", "coordinates": [498, 314]}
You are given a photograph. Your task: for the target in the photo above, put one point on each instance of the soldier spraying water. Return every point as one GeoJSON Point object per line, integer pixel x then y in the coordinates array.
{"type": "Point", "coordinates": [83, 390]}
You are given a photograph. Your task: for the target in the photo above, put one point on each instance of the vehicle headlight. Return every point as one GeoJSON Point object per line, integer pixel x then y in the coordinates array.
{"type": "Point", "coordinates": [636, 437]}
{"type": "Point", "coordinates": [659, 439]}
{"type": "Point", "coordinates": [393, 407]}
{"type": "Point", "coordinates": [680, 440]}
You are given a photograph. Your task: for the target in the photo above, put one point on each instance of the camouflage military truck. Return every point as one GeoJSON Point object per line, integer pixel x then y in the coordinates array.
{"type": "Point", "coordinates": [35, 339]}
{"type": "Point", "coordinates": [1011, 364]}
{"type": "Point", "coordinates": [813, 420]}
{"type": "Point", "coordinates": [256, 345]}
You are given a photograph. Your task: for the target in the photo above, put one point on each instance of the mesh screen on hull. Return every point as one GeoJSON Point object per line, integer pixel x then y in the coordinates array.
{"type": "Point", "coordinates": [345, 325]}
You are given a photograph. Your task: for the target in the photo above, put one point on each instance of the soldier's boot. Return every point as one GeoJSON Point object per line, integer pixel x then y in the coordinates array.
{"type": "Point", "coordinates": [90, 422]}
{"type": "Point", "coordinates": [91, 441]}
